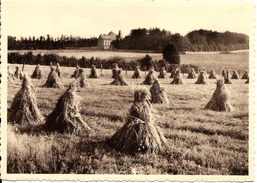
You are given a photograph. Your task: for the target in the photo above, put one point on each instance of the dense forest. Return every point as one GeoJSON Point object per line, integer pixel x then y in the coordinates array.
{"type": "Point", "coordinates": [143, 39]}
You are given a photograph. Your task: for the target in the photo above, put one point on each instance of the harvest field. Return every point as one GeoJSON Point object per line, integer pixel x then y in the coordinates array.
{"type": "Point", "coordinates": [200, 141]}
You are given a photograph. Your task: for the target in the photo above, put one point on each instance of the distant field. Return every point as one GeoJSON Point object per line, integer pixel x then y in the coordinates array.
{"type": "Point", "coordinates": [234, 61]}
{"type": "Point", "coordinates": [201, 141]}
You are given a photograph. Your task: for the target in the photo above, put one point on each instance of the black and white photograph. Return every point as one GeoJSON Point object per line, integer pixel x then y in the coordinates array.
{"type": "Point", "coordinates": [153, 90]}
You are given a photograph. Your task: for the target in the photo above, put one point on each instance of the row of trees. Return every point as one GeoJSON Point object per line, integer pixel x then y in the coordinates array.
{"type": "Point", "coordinates": [197, 40]}
{"type": "Point", "coordinates": [48, 42]}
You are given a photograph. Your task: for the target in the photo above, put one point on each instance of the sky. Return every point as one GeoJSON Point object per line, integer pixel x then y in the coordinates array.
{"type": "Point", "coordinates": [92, 18]}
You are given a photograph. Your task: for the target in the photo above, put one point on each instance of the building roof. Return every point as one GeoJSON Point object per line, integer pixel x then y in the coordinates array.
{"type": "Point", "coordinates": [110, 36]}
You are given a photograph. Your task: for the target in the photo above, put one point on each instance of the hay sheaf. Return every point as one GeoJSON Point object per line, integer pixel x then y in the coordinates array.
{"type": "Point", "coordinates": [227, 78]}
{"type": "Point", "coordinates": [37, 74]}
{"type": "Point", "coordinates": [24, 107]}
{"type": "Point", "coordinates": [119, 79]}
{"type": "Point", "coordinates": [191, 74]}
{"type": "Point", "coordinates": [75, 73]}
{"type": "Point", "coordinates": [66, 115]}
{"type": "Point", "coordinates": [93, 73]}
{"type": "Point", "coordinates": [52, 80]}
{"type": "Point", "coordinates": [163, 73]}
{"type": "Point", "coordinates": [10, 76]}
{"type": "Point", "coordinates": [201, 78]}
{"type": "Point", "coordinates": [58, 70]}
{"type": "Point", "coordinates": [205, 73]}
{"type": "Point", "coordinates": [223, 73]}
{"type": "Point", "coordinates": [149, 79]}
{"type": "Point", "coordinates": [212, 75]}
{"type": "Point", "coordinates": [140, 132]}
{"type": "Point", "coordinates": [137, 73]}
{"type": "Point", "coordinates": [115, 70]}
{"type": "Point", "coordinates": [18, 74]}
{"type": "Point", "coordinates": [158, 94]}
{"type": "Point", "coordinates": [177, 79]}
{"type": "Point", "coordinates": [247, 81]}
{"type": "Point", "coordinates": [220, 99]}
{"type": "Point", "coordinates": [235, 75]}
{"type": "Point", "coordinates": [81, 79]}
{"type": "Point", "coordinates": [246, 75]}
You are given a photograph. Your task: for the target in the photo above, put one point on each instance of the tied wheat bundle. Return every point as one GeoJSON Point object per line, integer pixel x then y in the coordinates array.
{"type": "Point", "coordinates": [24, 107]}
{"type": "Point", "coordinates": [66, 115]}
{"type": "Point", "coordinates": [158, 94]}
{"type": "Point", "coordinates": [191, 74]}
{"type": "Point", "coordinates": [93, 72]}
{"type": "Point", "coordinates": [149, 79]}
{"type": "Point", "coordinates": [245, 76]}
{"type": "Point", "coordinates": [75, 73]}
{"type": "Point", "coordinates": [37, 74]}
{"type": "Point", "coordinates": [163, 73]}
{"type": "Point", "coordinates": [173, 72]}
{"type": "Point", "coordinates": [115, 70]}
{"type": "Point", "coordinates": [82, 82]}
{"type": "Point", "coordinates": [227, 78]}
{"type": "Point", "coordinates": [220, 99]}
{"type": "Point", "coordinates": [247, 81]}
{"type": "Point", "coordinates": [119, 79]}
{"type": "Point", "coordinates": [10, 76]}
{"type": "Point", "coordinates": [58, 70]}
{"type": "Point", "coordinates": [235, 75]}
{"type": "Point", "coordinates": [205, 73]}
{"type": "Point", "coordinates": [140, 133]}
{"type": "Point", "coordinates": [52, 80]}
{"type": "Point", "coordinates": [201, 79]}
{"type": "Point", "coordinates": [177, 79]}
{"type": "Point", "coordinates": [213, 75]}
{"type": "Point", "coordinates": [223, 73]}
{"type": "Point", "coordinates": [137, 73]}
{"type": "Point", "coordinates": [18, 73]}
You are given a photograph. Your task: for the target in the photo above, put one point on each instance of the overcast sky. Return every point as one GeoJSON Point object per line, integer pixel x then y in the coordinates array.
{"type": "Point", "coordinates": [88, 19]}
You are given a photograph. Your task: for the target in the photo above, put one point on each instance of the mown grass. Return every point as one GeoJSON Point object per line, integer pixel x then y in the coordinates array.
{"type": "Point", "coordinates": [200, 141]}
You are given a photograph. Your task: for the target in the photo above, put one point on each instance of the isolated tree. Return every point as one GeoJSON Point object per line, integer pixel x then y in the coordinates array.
{"type": "Point", "coordinates": [170, 54]}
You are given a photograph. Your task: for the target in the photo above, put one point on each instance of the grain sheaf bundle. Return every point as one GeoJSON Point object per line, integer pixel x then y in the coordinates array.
{"type": "Point", "coordinates": [149, 79]}
{"type": "Point", "coordinates": [235, 75]}
{"type": "Point", "coordinates": [10, 76]}
{"type": "Point", "coordinates": [247, 81]}
{"type": "Point", "coordinates": [52, 80]}
{"type": "Point", "coordinates": [205, 73]}
{"type": "Point", "coordinates": [66, 115]}
{"type": "Point", "coordinates": [158, 94]}
{"type": "Point", "coordinates": [177, 79]}
{"type": "Point", "coordinates": [82, 82]}
{"type": "Point", "coordinates": [115, 70]}
{"type": "Point", "coordinates": [37, 74]}
{"type": "Point", "coordinates": [220, 99]}
{"type": "Point", "coordinates": [75, 73]}
{"type": "Point", "coordinates": [212, 75]}
{"type": "Point", "coordinates": [58, 70]}
{"type": "Point", "coordinates": [163, 73]}
{"type": "Point", "coordinates": [223, 73]}
{"type": "Point", "coordinates": [119, 79]}
{"type": "Point", "coordinates": [18, 73]}
{"type": "Point", "coordinates": [191, 74]}
{"type": "Point", "coordinates": [24, 108]}
{"type": "Point", "coordinates": [245, 76]}
{"type": "Point", "coordinates": [173, 72]}
{"type": "Point", "coordinates": [201, 79]}
{"type": "Point", "coordinates": [137, 73]}
{"type": "Point", "coordinates": [227, 78]}
{"type": "Point", "coordinates": [93, 72]}
{"type": "Point", "coordinates": [140, 133]}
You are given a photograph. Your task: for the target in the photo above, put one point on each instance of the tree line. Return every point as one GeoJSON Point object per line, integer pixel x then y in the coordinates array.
{"type": "Point", "coordinates": [49, 43]}
{"type": "Point", "coordinates": [145, 62]}
{"type": "Point", "coordinates": [142, 39]}
{"type": "Point", "coordinates": [197, 40]}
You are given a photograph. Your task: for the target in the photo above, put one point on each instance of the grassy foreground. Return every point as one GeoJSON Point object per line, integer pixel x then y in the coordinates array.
{"type": "Point", "coordinates": [200, 141]}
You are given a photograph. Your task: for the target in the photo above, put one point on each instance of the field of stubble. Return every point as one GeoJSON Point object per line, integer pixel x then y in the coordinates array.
{"type": "Point", "coordinates": [200, 141]}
